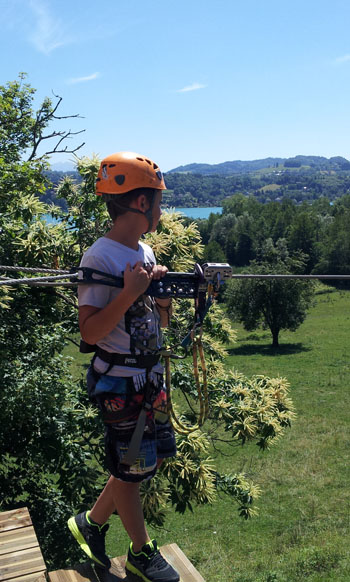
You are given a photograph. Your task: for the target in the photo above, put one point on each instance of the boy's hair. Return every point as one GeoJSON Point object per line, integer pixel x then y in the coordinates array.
{"type": "Point", "coordinates": [117, 205]}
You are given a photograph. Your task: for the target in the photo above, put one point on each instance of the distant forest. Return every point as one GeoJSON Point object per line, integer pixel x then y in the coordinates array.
{"type": "Point", "coordinates": [300, 179]}
{"type": "Point", "coordinates": [317, 232]}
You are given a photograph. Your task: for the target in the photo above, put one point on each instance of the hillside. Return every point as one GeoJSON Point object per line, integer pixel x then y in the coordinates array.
{"type": "Point", "coordinates": [241, 167]}
{"type": "Point", "coordinates": [303, 178]}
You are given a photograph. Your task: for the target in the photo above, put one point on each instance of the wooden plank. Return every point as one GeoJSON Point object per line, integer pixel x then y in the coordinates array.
{"type": "Point", "coordinates": [22, 562]}
{"type": "Point", "coordinates": [20, 555]}
{"type": "Point", "coordinates": [175, 556]}
{"type": "Point", "coordinates": [34, 577]}
{"type": "Point", "coordinates": [14, 519]}
{"type": "Point", "coordinates": [17, 539]}
{"type": "Point", "coordinates": [85, 573]}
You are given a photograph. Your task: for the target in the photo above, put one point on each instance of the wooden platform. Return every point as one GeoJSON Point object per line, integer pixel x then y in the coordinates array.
{"type": "Point", "coordinates": [87, 573]}
{"type": "Point", "coordinates": [20, 555]}
{"type": "Point", "coordinates": [21, 559]}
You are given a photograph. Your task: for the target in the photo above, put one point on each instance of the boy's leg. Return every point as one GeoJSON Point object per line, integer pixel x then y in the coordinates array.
{"type": "Point", "coordinates": [125, 498]}
{"type": "Point", "coordinates": [105, 505]}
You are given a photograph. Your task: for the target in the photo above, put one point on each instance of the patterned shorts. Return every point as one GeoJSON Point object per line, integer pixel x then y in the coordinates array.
{"type": "Point", "coordinates": [158, 442]}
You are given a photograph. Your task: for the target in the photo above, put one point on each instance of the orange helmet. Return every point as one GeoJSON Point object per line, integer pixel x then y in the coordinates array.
{"type": "Point", "coordinates": [125, 171]}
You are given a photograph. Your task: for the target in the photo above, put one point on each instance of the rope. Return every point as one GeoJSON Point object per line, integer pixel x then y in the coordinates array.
{"type": "Point", "coordinates": [202, 391]}
{"type": "Point", "coordinates": [252, 276]}
{"type": "Point", "coordinates": [32, 269]}
{"type": "Point", "coordinates": [60, 274]}
{"type": "Point", "coordinates": [37, 280]}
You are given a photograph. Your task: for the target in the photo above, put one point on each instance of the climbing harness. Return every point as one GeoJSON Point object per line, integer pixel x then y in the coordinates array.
{"type": "Point", "coordinates": [203, 285]}
{"type": "Point", "coordinates": [209, 278]}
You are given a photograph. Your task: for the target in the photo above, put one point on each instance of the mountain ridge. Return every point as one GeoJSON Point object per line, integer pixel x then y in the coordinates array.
{"type": "Point", "coordinates": [336, 163]}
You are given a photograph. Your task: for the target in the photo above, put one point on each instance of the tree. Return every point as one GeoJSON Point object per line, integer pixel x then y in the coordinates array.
{"type": "Point", "coordinates": [22, 130]}
{"type": "Point", "coordinates": [275, 304]}
{"type": "Point", "coordinates": [213, 253]}
{"type": "Point", "coordinates": [302, 236]}
{"type": "Point", "coordinates": [334, 248]}
{"type": "Point", "coordinates": [44, 415]}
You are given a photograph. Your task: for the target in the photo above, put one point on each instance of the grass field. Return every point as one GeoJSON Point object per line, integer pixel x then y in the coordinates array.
{"type": "Point", "coordinates": [302, 531]}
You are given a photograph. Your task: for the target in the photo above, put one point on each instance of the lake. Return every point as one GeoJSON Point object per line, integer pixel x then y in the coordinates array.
{"type": "Point", "coordinates": [200, 212]}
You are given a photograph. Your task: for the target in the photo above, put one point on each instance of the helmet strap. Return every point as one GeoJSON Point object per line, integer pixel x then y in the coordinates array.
{"type": "Point", "coordinates": [149, 214]}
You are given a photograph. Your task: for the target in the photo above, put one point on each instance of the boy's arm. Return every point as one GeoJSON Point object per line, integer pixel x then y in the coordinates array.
{"type": "Point", "coordinates": [95, 323]}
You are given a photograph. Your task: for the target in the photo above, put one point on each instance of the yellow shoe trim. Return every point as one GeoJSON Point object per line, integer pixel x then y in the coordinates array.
{"type": "Point", "coordinates": [81, 541]}
{"type": "Point", "coordinates": [135, 571]}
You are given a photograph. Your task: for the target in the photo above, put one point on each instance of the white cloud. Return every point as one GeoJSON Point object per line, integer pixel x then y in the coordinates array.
{"type": "Point", "coordinates": [193, 87]}
{"type": "Point", "coordinates": [83, 79]}
{"type": "Point", "coordinates": [342, 60]}
{"type": "Point", "coordinates": [49, 31]}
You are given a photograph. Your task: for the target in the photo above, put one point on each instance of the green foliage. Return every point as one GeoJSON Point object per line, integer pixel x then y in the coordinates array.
{"type": "Point", "coordinates": [213, 253]}
{"type": "Point", "coordinates": [242, 490]}
{"type": "Point", "coordinates": [86, 216]}
{"type": "Point", "coordinates": [16, 119]}
{"type": "Point", "coordinates": [275, 304]}
{"type": "Point", "coordinates": [42, 421]}
{"type": "Point", "coordinates": [257, 410]}
{"type": "Point", "coordinates": [174, 244]}
{"type": "Point", "coordinates": [44, 453]}
{"type": "Point", "coordinates": [334, 247]}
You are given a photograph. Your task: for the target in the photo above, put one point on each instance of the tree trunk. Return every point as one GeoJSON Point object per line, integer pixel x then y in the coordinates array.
{"type": "Point", "coordinates": [275, 333]}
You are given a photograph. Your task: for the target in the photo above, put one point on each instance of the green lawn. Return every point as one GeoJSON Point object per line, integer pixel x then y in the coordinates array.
{"type": "Point", "coordinates": [302, 531]}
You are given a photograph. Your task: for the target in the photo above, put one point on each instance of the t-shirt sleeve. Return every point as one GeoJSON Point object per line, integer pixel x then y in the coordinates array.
{"type": "Point", "coordinates": [94, 295]}
{"type": "Point", "coordinates": [148, 254]}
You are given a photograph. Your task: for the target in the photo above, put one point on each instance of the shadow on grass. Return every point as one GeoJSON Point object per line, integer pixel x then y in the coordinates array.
{"type": "Point", "coordinates": [268, 350]}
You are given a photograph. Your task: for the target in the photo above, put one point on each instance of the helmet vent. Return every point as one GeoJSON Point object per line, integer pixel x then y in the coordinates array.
{"type": "Point", "coordinates": [120, 179]}
{"type": "Point", "coordinates": [112, 165]}
{"type": "Point", "coordinates": [159, 175]}
{"type": "Point", "coordinates": [140, 159]}
{"type": "Point", "coordinates": [148, 162]}
{"type": "Point", "coordinates": [155, 167]}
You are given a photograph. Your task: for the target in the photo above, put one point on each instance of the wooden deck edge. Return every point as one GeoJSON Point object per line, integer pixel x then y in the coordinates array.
{"type": "Point", "coordinates": [21, 559]}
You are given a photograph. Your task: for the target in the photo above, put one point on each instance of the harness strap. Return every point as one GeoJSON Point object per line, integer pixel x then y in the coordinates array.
{"type": "Point", "coordinates": [114, 359]}
{"type": "Point", "coordinates": [136, 439]}
{"type": "Point", "coordinates": [118, 415]}
{"type": "Point", "coordinates": [110, 417]}
{"type": "Point", "coordinates": [129, 360]}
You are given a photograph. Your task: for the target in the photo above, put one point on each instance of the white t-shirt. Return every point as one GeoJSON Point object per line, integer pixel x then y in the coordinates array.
{"type": "Point", "coordinates": [138, 332]}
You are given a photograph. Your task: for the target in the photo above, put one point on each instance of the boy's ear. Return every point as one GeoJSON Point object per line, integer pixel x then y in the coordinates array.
{"type": "Point", "coordinates": [142, 202]}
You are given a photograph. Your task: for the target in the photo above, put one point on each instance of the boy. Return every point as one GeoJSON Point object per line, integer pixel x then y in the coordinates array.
{"type": "Point", "coordinates": [125, 376]}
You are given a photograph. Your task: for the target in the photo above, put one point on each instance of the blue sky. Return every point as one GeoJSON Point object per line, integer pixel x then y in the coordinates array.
{"type": "Point", "coordinates": [189, 81]}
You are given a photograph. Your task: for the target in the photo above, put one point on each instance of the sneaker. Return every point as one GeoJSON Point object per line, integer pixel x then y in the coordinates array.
{"type": "Point", "coordinates": [91, 537]}
{"type": "Point", "coordinates": [149, 565]}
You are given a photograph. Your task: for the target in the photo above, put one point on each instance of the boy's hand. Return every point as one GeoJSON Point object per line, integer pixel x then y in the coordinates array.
{"type": "Point", "coordinates": [159, 271]}
{"type": "Point", "coordinates": [164, 305]}
{"type": "Point", "coordinates": [136, 279]}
